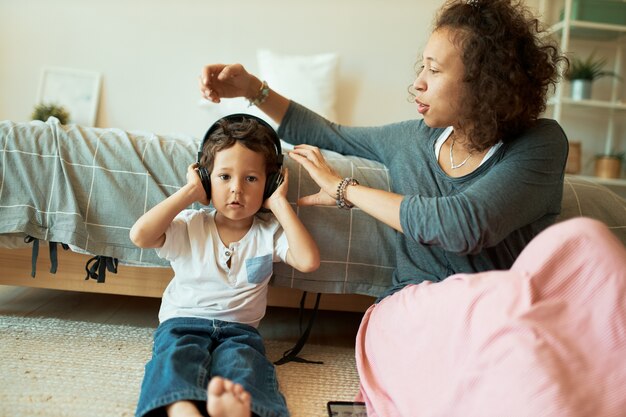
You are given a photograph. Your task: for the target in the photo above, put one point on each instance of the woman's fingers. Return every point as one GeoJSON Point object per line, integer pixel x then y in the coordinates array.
{"type": "Point", "coordinates": [319, 199]}
{"type": "Point", "coordinates": [219, 81]}
{"type": "Point", "coordinates": [304, 155]}
{"type": "Point", "coordinates": [303, 160]}
{"type": "Point", "coordinates": [321, 173]}
{"type": "Point", "coordinates": [305, 146]}
{"type": "Point", "coordinates": [308, 151]}
{"type": "Point", "coordinates": [210, 73]}
{"type": "Point", "coordinates": [317, 169]}
{"type": "Point", "coordinates": [230, 71]}
{"type": "Point", "coordinates": [204, 75]}
{"type": "Point", "coordinates": [208, 93]}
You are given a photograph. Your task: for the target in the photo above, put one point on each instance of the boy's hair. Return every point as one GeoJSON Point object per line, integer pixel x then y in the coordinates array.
{"type": "Point", "coordinates": [249, 133]}
{"type": "Point", "coordinates": [510, 64]}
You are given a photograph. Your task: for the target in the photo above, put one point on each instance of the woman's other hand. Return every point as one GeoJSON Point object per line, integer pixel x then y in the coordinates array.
{"type": "Point", "coordinates": [219, 81]}
{"type": "Point", "coordinates": [313, 161]}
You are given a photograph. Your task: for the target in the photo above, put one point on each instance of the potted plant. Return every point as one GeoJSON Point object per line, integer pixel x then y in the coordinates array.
{"type": "Point", "coordinates": [43, 111]}
{"type": "Point", "coordinates": [609, 165]}
{"type": "Point", "coordinates": [582, 73]}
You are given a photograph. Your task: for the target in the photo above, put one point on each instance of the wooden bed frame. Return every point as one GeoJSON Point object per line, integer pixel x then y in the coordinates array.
{"type": "Point", "coordinates": [15, 269]}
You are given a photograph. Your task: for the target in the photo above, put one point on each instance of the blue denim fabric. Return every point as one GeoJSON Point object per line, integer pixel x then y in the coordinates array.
{"type": "Point", "coordinates": [259, 268]}
{"type": "Point", "coordinates": [187, 352]}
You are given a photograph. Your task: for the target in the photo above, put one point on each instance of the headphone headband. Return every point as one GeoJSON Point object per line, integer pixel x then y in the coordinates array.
{"type": "Point", "coordinates": [240, 117]}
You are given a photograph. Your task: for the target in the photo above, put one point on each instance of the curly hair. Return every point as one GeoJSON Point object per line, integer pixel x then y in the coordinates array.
{"type": "Point", "coordinates": [249, 133]}
{"type": "Point", "coordinates": [510, 64]}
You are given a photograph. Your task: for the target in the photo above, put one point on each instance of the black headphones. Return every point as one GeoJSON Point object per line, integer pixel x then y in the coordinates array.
{"type": "Point", "coordinates": [272, 181]}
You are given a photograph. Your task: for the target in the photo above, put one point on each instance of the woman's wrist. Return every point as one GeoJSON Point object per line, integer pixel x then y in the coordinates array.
{"type": "Point", "coordinates": [258, 95]}
{"type": "Point", "coordinates": [254, 84]}
{"type": "Point", "coordinates": [340, 197]}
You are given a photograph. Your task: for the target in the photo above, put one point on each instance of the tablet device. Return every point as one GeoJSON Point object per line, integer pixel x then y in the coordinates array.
{"type": "Point", "coordinates": [346, 409]}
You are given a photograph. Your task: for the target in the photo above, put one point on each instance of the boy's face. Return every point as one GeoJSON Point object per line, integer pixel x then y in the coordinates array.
{"type": "Point", "coordinates": [238, 182]}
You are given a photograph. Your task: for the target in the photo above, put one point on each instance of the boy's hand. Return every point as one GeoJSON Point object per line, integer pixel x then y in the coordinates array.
{"type": "Point", "coordinates": [195, 185]}
{"type": "Point", "coordinates": [280, 194]}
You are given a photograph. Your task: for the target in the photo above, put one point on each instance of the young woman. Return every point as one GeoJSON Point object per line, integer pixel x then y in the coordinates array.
{"type": "Point", "coordinates": [476, 178]}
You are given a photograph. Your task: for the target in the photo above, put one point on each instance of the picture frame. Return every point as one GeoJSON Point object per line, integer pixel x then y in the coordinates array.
{"type": "Point", "coordinates": [78, 91]}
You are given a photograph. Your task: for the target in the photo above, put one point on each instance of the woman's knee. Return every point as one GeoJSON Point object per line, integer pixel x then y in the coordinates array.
{"type": "Point", "coordinates": [583, 228]}
{"type": "Point", "coordinates": [572, 240]}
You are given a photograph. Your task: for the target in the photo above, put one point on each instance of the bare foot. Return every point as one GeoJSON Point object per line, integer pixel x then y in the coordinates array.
{"type": "Point", "coordinates": [227, 399]}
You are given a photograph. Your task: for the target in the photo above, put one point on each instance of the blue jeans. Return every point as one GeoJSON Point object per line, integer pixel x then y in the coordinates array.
{"type": "Point", "coordinates": [187, 352]}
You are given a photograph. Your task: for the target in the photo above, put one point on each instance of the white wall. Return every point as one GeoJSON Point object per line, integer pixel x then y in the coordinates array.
{"type": "Point", "coordinates": [150, 52]}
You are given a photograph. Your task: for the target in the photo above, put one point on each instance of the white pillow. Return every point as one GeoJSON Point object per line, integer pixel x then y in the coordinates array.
{"type": "Point", "coordinates": [310, 80]}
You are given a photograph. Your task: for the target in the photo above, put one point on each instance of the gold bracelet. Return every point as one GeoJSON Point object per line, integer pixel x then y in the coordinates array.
{"type": "Point", "coordinates": [261, 96]}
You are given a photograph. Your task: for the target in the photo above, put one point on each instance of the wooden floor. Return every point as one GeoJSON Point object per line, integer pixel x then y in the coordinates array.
{"type": "Point", "coordinates": [331, 328]}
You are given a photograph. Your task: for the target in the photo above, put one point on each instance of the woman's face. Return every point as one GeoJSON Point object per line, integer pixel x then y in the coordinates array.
{"type": "Point", "coordinates": [439, 88]}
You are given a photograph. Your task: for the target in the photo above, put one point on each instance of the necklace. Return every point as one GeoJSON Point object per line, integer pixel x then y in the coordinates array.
{"type": "Point", "coordinates": [452, 159]}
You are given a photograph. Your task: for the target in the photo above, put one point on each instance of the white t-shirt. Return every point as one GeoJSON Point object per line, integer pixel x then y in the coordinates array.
{"type": "Point", "coordinates": [203, 285]}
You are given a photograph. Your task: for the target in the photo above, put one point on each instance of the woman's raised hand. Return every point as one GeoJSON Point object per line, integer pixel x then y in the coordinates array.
{"type": "Point", "coordinates": [313, 161]}
{"type": "Point", "coordinates": [219, 81]}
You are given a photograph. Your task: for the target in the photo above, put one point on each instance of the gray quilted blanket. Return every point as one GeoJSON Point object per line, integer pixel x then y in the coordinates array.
{"type": "Point", "coordinates": [86, 187]}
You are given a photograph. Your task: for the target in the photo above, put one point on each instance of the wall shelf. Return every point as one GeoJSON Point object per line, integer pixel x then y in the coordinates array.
{"type": "Point", "coordinates": [589, 103]}
{"type": "Point", "coordinates": [574, 35]}
{"type": "Point", "coordinates": [581, 29]}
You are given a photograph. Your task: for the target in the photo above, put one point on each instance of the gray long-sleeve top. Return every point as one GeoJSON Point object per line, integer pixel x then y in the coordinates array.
{"type": "Point", "coordinates": [477, 222]}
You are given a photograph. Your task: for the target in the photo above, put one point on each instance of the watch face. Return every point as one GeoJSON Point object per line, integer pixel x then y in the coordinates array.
{"type": "Point", "coordinates": [346, 409]}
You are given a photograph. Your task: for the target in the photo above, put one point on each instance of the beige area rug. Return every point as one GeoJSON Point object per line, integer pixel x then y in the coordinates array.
{"type": "Point", "coordinates": [51, 367]}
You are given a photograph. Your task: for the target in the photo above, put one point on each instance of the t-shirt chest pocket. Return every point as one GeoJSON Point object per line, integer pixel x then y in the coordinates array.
{"type": "Point", "coordinates": [259, 269]}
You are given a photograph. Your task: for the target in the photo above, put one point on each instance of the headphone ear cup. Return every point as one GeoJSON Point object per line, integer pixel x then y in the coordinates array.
{"type": "Point", "coordinates": [272, 182]}
{"type": "Point", "coordinates": [205, 179]}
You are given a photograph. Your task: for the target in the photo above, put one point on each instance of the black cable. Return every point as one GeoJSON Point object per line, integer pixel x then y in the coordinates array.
{"type": "Point", "coordinates": [291, 355]}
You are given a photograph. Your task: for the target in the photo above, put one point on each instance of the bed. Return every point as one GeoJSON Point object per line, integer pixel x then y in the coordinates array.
{"type": "Point", "coordinates": [69, 194]}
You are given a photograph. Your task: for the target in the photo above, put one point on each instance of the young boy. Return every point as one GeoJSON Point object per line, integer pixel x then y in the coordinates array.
{"type": "Point", "coordinates": [222, 261]}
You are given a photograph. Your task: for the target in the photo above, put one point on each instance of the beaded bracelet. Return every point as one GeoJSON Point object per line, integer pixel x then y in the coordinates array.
{"type": "Point", "coordinates": [261, 96]}
{"type": "Point", "coordinates": [342, 203]}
